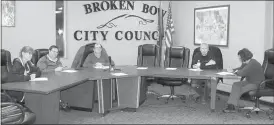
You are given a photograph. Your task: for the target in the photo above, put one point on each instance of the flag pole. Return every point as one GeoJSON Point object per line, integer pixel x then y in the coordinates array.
{"type": "Point", "coordinates": [160, 21]}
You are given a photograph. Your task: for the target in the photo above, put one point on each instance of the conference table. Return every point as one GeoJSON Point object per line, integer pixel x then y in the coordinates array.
{"type": "Point", "coordinates": [43, 97]}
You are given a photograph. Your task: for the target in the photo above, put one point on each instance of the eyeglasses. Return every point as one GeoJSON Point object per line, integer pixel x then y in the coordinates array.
{"type": "Point", "coordinates": [54, 51]}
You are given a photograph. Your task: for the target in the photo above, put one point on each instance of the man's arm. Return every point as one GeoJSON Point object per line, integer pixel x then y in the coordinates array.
{"type": "Point", "coordinates": [211, 66]}
{"type": "Point", "coordinates": [59, 63]}
{"type": "Point", "coordinates": [195, 59]}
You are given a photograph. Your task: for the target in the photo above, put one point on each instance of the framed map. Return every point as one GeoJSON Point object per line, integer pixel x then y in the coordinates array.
{"type": "Point", "coordinates": [8, 13]}
{"type": "Point", "coordinates": [211, 25]}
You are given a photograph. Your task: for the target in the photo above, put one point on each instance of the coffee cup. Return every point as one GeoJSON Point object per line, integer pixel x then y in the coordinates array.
{"type": "Point", "coordinates": [32, 76]}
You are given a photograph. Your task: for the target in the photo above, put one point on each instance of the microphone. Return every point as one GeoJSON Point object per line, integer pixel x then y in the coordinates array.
{"type": "Point", "coordinates": [109, 59]}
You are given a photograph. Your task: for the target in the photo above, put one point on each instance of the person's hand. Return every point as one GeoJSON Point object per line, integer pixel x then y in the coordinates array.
{"type": "Point", "coordinates": [26, 73]}
{"type": "Point", "coordinates": [195, 66]}
{"type": "Point", "coordinates": [229, 70]}
{"type": "Point", "coordinates": [211, 62]}
{"type": "Point", "coordinates": [58, 69]}
{"type": "Point", "coordinates": [65, 67]}
{"type": "Point", "coordinates": [98, 65]}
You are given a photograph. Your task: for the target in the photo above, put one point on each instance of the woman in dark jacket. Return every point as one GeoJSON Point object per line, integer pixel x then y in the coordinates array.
{"type": "Point", "coordinates": [253, 73]}
{"type": "Point", "coordinates": [21, 70]}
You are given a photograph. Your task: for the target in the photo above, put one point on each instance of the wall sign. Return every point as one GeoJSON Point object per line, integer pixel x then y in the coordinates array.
{"type": "Point", "coordinates": [102, 32]}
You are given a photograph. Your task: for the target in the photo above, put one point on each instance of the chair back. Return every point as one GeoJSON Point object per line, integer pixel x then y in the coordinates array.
{"type": "Point", "coordinates": [6, 60]}
{"type": "Point", "coordinates": [148, 55]}
{"type": "Point", "coordinates": [186, 56]}
{"type": "Point", "coordinates": [216, 53]}
{"type": "Point", "coordinates": [175, 57]}
{"type": "Point", "coordinates": [89, 49]}
{"type": "Point", "coordinates": [38, 53]}
{"type": "Point", "coordinates": [268, 66]}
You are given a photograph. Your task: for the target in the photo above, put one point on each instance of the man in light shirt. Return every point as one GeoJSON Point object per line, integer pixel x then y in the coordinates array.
{"type": "Point", "coordinates": [51, 61]}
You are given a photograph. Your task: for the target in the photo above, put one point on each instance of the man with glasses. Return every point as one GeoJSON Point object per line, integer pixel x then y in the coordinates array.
{"type": "Point", "coordinates": [97, 58]}
{"type": "Point", "coordinates": [50, 62]}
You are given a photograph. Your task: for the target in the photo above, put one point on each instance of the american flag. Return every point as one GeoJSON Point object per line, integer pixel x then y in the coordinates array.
{"type": "Point", "coordinates": [169, 28]}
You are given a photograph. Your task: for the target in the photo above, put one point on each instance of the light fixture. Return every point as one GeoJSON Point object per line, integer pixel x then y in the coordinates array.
{"type": "Point", "coordinates": [58, 11]}
{"type": "Point", "coordinates": [60, 31]}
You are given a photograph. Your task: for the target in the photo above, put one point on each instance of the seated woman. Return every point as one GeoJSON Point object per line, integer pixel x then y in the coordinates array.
{"type": "Point", "coordinates": [21, 71]}
{"type": "Point", "coordinates": [97, 58]}
{"type": "Point", "coordinates": [253, 72]}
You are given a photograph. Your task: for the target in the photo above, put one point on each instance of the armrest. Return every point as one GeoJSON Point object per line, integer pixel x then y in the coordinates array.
{"type": "Point", "coordinates": [6, 96]}
{"type": "Point", "coordinates": [8, 112]}
{"type": "Point", "coordinates": [262, 84]}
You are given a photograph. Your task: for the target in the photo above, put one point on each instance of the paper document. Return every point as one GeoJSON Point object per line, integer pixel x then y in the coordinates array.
{"type": "Point", "coordinates": [40, 79]}
{"type": "Point", "coordinates": [195, 69]}
{"type": "Point", "coordinates": [69, 71]}
{"type": "Point", "coordinates": [119, 74]}
{"type": "Point", "coordinates": [102, 67]}
{"type": "Point", "coordinates": [225, 73]}
{"type": "Point", "coordinates": [171, 68]}
{"type": "Point", "coordinates": [141, 67]}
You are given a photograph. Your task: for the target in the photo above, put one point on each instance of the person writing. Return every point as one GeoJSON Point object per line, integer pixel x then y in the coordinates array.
{"type": "Point", "coordinates": [253, 73]}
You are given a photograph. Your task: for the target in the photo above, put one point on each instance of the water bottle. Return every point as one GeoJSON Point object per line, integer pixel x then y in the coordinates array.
{"type": "Point", "coordinates": [198, 64]}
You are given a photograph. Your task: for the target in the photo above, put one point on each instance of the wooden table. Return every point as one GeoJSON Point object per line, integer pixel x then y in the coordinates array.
{"type": "Point", "coordinates": [43, 97]}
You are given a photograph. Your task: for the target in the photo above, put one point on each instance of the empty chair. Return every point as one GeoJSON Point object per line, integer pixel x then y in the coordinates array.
{"type": "Point", "coordinates": [148, 55]}
{"type": "Point", "coordinates": [14, 113]}
{"type": "Point", "coordinates": [175, 57]}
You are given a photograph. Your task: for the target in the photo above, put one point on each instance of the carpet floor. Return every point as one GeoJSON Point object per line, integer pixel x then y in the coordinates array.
{"type": "Point", "coordinates": [154, 111]}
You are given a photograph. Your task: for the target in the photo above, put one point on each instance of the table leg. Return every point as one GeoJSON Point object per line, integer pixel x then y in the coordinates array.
{"type": "Point", "coordinates": [128, 90]}
{"type": "Point", "coordinates": [104, 96]}
{"type": "Point", "coordinates": [213, 94]}
{"type": "Point", "coordinates": [45, 107]}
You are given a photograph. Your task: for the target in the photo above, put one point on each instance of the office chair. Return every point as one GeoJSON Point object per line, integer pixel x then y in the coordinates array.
{"type": "Point", "coordinates": [14, 113]}
{"type": "Point", "coordinates": [175, 57]}
{"type": "Point", "coordinates": [38, 53]}
{"type": "Point", "coordinates": [218, 59]}
{"type": "Point", "coordinates": [6, 59]}
{"type": "Point", "coordinates": [148, 56]}
{"type": "Point", "coordinates": [266, 87]}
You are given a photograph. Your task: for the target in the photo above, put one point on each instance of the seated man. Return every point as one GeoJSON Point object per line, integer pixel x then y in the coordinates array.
{"type": "Point", "coordinates": [97, 58]}
{"type": "Point", "coordinates": [50, 62]}
{"type": "Point", "coordinates": [203, 60]}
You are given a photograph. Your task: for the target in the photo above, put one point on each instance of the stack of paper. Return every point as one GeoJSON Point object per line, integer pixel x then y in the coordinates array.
{"type": "Point", "coordinates": [69, 71]}
{"type": "Point", "coordinates": [141, 67]}
{"type": "Point", "coordinates": [225, 73]}
{"type": "Point", "coordinates": [40, 79]}
{"type": "Point", "coordinates": [119, 74]}
{"type": "Point", "coordinates": [171, 68]}
{"type": "Point", "coordinates": [195, 69]}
